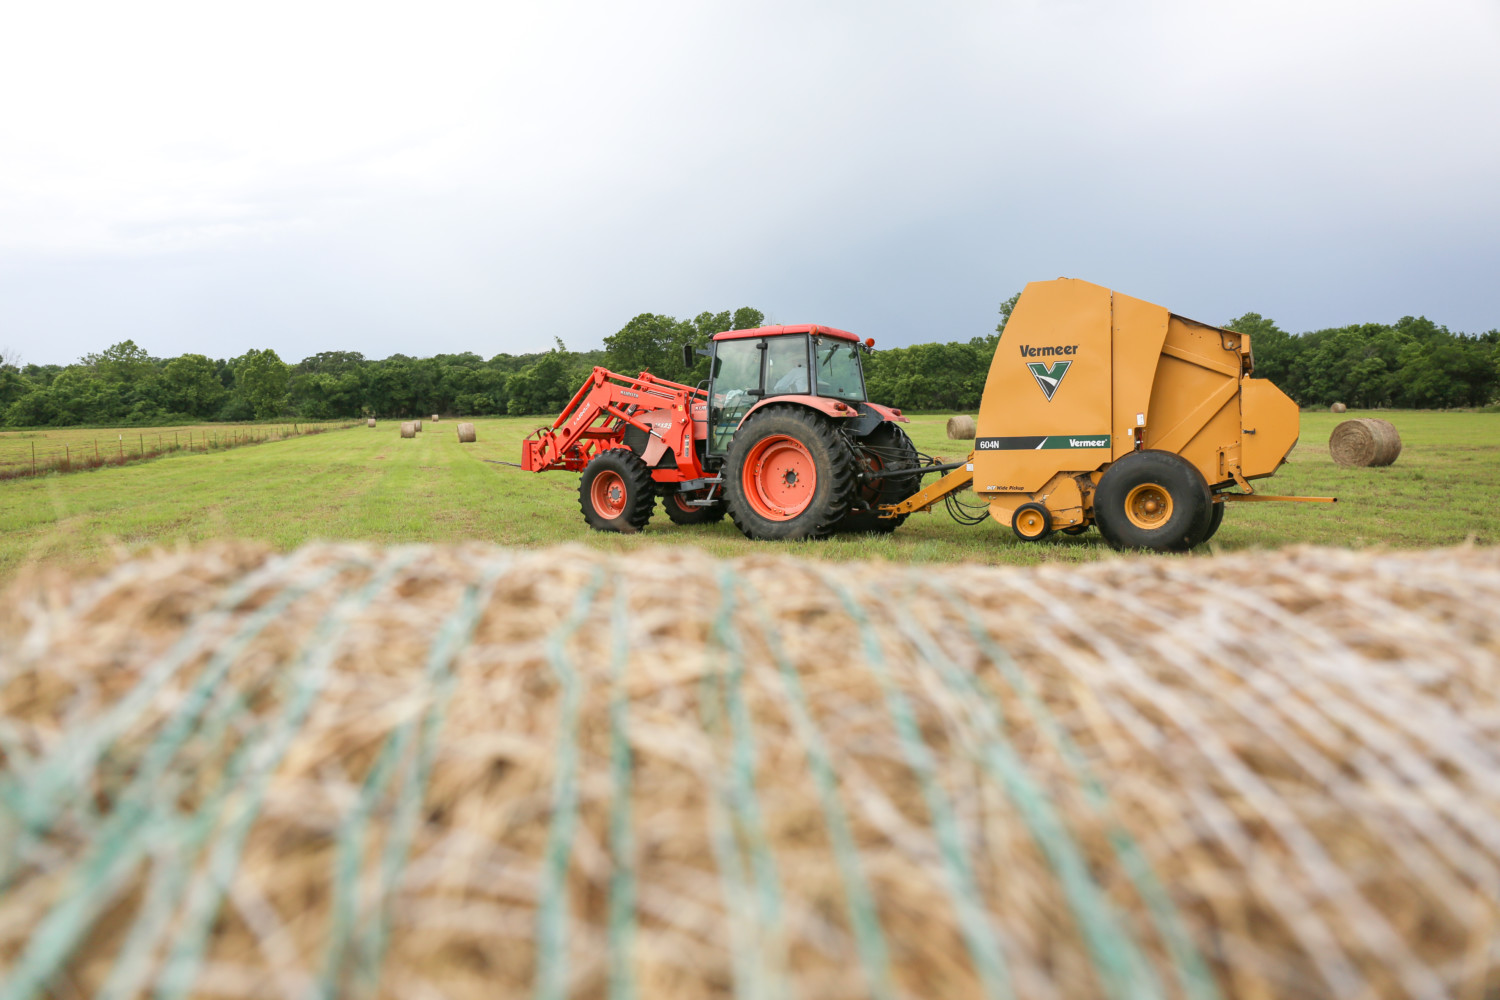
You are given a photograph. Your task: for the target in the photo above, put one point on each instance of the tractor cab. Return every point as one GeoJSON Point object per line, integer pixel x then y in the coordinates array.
{"type": "Point", "coordinates": [750, 366]}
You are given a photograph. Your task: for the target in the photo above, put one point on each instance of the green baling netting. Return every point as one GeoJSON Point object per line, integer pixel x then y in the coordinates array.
{"type": "Point", "coordinates": [687, 775]}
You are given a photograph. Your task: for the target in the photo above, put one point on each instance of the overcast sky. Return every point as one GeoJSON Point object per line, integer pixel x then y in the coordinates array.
{"type": "Point", "coordinates": [437, 177]}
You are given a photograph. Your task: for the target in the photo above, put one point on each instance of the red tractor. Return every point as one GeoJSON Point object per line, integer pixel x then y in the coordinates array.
{"type": "Point", "coordinates": [780, 437]}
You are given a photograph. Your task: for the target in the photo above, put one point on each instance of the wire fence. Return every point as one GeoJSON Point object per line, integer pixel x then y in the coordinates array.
{"type": "Point", "coordinates": [81, 453]}
{"type": "Point", "coordinates": [470, 772]}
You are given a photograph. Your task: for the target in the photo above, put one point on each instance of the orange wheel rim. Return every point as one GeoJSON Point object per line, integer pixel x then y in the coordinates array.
{"type": "Point", "coordinates": [608, 494]}
{"type": "Point", "coordinates": [1148, 506]}
{"type": "Point", "coordinates": [681, 499]}
{"type": "Point", "coordinates": [780, 478]}
{"type": "Point", "coordinates": [1031, 523]}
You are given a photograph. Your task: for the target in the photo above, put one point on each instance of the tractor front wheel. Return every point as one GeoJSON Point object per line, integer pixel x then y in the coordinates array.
{"type": "Point", "coordinates": [1153, 500]}
{"type": "Point", "coordinates": [616, 492]}
{"type": "Point", "coordinates": [788, 474]}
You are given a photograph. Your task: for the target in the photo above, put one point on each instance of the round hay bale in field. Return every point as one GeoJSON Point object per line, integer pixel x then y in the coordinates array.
{"type": "Point", "coordinates": [408, 429]}
{"type": "Point", "coordinates": [521, 773]}
{"type": "Point", "coordinates": [434, 418]}
{"type": "Point", "coordinates": [961, 427]}
{"type": "Point", "coordinates": [370, 422]}
{"type": "Point", "coordinates": [1337, 408]}
{"type": "Point", "coordinates": [466, 433]}
{"type": "Point", "coordinates": [1364, 441]}
{"type": "Point", "coordinates": [418, 425]}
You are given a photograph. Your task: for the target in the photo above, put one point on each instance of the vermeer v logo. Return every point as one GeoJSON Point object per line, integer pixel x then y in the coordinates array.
{"type": "Point", "coordinates": [1049, 378]}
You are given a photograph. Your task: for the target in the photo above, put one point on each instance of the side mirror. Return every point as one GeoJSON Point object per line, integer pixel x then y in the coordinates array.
{"type": "Point", "coordinates": [687, 356]}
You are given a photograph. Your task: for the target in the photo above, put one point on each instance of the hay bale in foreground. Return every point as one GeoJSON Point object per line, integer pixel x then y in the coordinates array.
{"type": "Point", "coordinates": [472, 772]}
{"type": "Point", "coordinates": [1364, 441]}
{"type": "Point", "coordinates": [1337, 408]}
{"type": "Point", "coordinates": [408, 429]}
{"type": "Point", "coordinates": [370, 422]}
{"type": "Point", "coordinates": [961, 427]}
{"type": "Point", "coordinates": [466, 433]}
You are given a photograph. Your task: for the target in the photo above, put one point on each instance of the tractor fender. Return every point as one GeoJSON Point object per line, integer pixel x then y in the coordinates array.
{"type": "Point", "coordinates": [830, 407]}
{"type": "Point", "coordinates": [890, 413]}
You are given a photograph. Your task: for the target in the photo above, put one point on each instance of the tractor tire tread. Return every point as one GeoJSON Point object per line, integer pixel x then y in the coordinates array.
{"type": "Point", "coordinates": [698, 515]}
{"type": "Point", "coordinates": [815, 431]}
{"type": "Point", "coordinates": [640, 491]}
{"type": "Point", "coordinates": [887, 436]}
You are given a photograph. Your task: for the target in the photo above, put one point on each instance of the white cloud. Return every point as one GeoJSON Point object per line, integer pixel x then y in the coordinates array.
{"type": "Point", "coordinates": [478, 176]}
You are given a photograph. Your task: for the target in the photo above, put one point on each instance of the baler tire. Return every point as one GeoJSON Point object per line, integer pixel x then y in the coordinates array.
{"type": "Point", "coordinates": [691, 515]}
{"type": "Point", "coordinates": [627, 510]}
{"type": "Point", "coordinates": [1214, 520]}
{"type": "Point", "coordinates": [1042, 514]}
{"type": "Point", "coordinates": [888, 437]}
{"type": "Point", "coordinates": [1074, 529]}
{"type": "Point", "coordinates": [802, 437]}
{"type": "Point", "coordinates": [1144, 478]}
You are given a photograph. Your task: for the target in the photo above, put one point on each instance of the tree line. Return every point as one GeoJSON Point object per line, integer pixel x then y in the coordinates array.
{"type": "Point", "coordinates": [1411, 363]}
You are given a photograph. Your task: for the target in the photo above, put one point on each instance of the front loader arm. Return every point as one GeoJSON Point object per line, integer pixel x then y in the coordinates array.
{"type": "Point", "coordinates": [596, 417]}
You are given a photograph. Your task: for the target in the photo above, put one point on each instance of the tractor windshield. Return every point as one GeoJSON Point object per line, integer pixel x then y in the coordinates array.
{"type": "Point", "coordinates": [838, 370]}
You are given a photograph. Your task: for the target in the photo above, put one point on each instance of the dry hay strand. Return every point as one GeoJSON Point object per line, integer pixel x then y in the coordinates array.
{"type": "Point", "coordinates": [466, 433]}
{"type": "Point", "coordinates": [961, 427]}
{"type": "Point", "coordinates": [370, 422]}
{"type": "Point", "coordinates": [468, 772]}
{"type": "Point", "coordinates": [408, 429]}
{"type": "Point", "coordinates": [1365, 441]}
{"type": "Point", "coordinates": [1337, 408]}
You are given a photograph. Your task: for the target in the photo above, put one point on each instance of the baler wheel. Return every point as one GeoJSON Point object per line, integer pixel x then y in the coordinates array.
{"type": "Point", "coordinates": [789, 474]}
{"type": "Point", "coordinates": [1214, 520]}
{"type": "Point", "coordinates": [1153, 500]}
{"type": "Point", "coordinates": [1074, 529]}
{"type": "Point", "coordinates": [616, 492]}
{"type": "Point", "coordinates": [1031, 522]}
{"type": "Point", "coordinates": [683, 513]}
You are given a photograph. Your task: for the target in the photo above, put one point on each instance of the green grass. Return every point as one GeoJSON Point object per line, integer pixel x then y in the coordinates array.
{"type": "Point", "coordinates": [372, 485]}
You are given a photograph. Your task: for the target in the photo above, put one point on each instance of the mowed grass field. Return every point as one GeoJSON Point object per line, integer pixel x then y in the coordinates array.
{"type": "Point", "coordinates": [370, 485]}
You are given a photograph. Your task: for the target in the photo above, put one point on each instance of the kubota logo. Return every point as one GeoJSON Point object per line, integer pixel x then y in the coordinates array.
{"type": "Point", "coordinates": [1049, 378]}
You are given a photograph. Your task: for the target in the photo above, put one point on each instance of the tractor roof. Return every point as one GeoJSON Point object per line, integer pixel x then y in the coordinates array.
{"type": "Point", "coordinates": [772, 331]}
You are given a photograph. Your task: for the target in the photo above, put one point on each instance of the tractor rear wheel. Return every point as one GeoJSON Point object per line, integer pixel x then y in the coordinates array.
{"type": "Point", "coordinates": [684, 513]}
{"type": "Point", "coordinates": [616, 492]}
{"type": "Point", "coordinates": [789, 474]}
{"type": "Point", "coordinates": [886, 447]}
{"type": "Point", "coordinates": [1153, 500]}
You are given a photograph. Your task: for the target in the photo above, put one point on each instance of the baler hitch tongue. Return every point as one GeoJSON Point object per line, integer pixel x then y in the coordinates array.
{"type": "Point", "coordinates": [1252, 497]}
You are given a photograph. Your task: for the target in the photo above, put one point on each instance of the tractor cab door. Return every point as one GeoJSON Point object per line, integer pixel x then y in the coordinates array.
{"type": "Point", "coordinates": [734, 387]}
{"type": "Point", "coordinates": [748, 369]}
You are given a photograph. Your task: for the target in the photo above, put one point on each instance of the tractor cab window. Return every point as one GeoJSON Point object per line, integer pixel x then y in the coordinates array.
{"type": "Point", "coordinates": [838, 369]}
{"type": "Point", "coordinates": [736, 388]}
{"type": "Point", "coordinates": [786, 366]}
